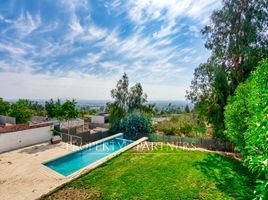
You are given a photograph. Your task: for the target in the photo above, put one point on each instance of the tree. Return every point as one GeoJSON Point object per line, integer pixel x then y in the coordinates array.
{"type": "Point", "coordinates": [187, 109]}
{"type": "Point", "coordinates": [4, 107]}
{"type": "Point", "coordinates": [236, 36]}
{"type": "Point", "coordinates": [20, 112]}
{"type": "Point", "coordinates": [68, 110]}
{"type": "Point", "coordinates": [36, 108]}
{"type": "Point", "coordinates": [53, 108]}
{"type": "Point", "coordinates": [127, 100]}
{"type": "Point", "coordinates": [209, 91]}
{"type": "Point", "coordinates": [136, 97]}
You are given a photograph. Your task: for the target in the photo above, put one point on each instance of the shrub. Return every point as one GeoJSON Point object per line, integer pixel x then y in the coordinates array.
{"type": "Point", "coordinates": [186, 129]}
{"type": "Point", "coordinates": [246, 119]}
{"type": "Point", "coordinates": [133, 125]}
{"type": "Point", "coordinates": [170, 130]}
{"type": "Point", "coordinates": [136, 124]}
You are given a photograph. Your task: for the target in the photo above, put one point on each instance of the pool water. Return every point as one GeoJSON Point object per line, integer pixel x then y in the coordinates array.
{"type": "Point", "coordinates": [73, 162]}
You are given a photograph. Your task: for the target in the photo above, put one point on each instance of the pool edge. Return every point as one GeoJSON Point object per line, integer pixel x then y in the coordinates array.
{"type": "Point", "coordinates": [91, 167]}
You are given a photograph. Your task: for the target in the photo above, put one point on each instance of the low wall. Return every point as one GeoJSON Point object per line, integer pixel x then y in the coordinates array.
{"type": "Point", "coordinates": [20, 127]}
{"type": "Point", "coordinates": [14, 140]}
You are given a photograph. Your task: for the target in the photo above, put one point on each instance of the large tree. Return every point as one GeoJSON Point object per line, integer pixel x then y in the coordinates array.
{"type": "Point", "coordinates": [127, 99]}
{"type": "Point", "coordinates": [237, 37]}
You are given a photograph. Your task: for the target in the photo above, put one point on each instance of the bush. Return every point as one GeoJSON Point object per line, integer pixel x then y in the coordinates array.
{"type": "Point", "coordinates": [136, 124]}
{"type": "Point", "coordinates": [246, 119]}
{"type": "Point", "coordinates": [133, 125]}
{"type": "Point", "coordinates": [186, 129]}
{"type": "Point", "coordinates": [170, 130]}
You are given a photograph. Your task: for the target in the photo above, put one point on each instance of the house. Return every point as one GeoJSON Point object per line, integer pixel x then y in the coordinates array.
{"type": "Point", "coordinates": [100, 118]}
{"type": "Point", "coordinates": [6, 121]}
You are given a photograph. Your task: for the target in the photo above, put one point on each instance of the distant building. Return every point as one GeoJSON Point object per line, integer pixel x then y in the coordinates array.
{"type": "Point", "coordinates": [6, 121]}
{"type": "Point", "coordinates": [160, 119]}
{"type": "Point", "coordinates": [100, 118]}
{"type": "Point", "coordinates": [38, 120]}
{"type": "Point", "coordinates": [65, 124]}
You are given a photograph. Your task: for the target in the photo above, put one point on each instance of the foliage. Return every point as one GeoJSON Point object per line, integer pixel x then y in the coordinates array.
{"type": "Point", "coordinates": [209, 92]}
{"type": "Point", "coordinates": [37, 109]}
{"type": "Point", "coordinates": [68, 110]}
{"type": "Point", "coordinates": [166, 174]}
{"type": "Point", "coordinates": [187, 109]}
{"type": "Point", "coordinates": [247, 124]}
{"type": "Point", "coordinates": [236, 37]}
{"type": "Point", "coordinates": [133, 125]}
{"type": "Point", "coordinates": [22, 113]}
{"type": "Point", "coordinates": [167, 110]}
{"type": "Point", "coordinates": [182, 125]}
{"type": "Point", "coordinates": [4, 107]}
{"type": "Point", "coordinates": [127, 99]}
{"type": "Point", "coordinates": [53, 108]}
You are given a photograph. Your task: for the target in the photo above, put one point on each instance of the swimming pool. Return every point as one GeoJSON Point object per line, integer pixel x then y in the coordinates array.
{"type": "Point", "coordinates": [73, 162]}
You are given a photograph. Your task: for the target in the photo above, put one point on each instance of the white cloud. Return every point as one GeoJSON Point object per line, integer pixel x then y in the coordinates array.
{"type": "Point", "coordinates": [12, 50]}
{"type": "Point", "coordinates": [26, 24]}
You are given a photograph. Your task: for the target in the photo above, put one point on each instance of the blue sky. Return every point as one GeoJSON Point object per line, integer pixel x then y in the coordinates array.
{"type": "Point", "coordinates": [80, 48]}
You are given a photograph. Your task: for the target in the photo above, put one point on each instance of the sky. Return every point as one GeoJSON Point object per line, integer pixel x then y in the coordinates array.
{"type": "Point", "coordinates": [80, 48]}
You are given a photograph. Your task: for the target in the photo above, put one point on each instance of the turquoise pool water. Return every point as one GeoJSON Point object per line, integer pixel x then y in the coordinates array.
{"type": "Point", "coordinates": [73, 162]}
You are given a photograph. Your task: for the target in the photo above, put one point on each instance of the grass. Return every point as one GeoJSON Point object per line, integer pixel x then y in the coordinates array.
{"type": "Point", "coordinates": [162, 174]}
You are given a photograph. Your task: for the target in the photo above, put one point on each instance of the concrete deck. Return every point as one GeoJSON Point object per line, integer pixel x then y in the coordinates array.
{"type": "Point", "coordinates": [22, 175]}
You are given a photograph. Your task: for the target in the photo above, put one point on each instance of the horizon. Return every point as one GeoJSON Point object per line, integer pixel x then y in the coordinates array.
{"type": "Point", "coordinates": [81, 51]}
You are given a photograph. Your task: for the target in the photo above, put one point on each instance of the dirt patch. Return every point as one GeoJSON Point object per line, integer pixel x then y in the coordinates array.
{"type": "Point", "coordinates": [75, 194]}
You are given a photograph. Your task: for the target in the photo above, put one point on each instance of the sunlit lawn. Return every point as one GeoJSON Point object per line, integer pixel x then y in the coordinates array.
{"type": "Point", "coordinates": [162, 174]}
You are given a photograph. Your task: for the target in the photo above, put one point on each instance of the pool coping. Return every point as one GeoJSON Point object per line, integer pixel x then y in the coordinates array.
{"type": "Point", "coordinates": [94, 165]}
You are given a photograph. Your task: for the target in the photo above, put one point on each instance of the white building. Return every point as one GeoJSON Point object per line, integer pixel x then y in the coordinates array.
{"type": "Point", "coordinates": [100, 118]}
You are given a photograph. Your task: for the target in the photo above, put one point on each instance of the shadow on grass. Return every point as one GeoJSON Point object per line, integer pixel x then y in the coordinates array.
{"type": "Point", "coordinates": [229, 175]}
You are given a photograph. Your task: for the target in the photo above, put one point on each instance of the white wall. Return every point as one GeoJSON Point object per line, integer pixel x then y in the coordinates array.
{"type": "Point", "coordinates": [97, 119]}
{"type": "Point", "coordinates": [71, 123]}
{"type": "Point", "coordinates": [18, 139]}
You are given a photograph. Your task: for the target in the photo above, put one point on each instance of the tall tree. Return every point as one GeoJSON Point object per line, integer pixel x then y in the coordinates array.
{"type": "Point", "coordinates": [187, 109]}
{"type": "Point", "coordinates": [237, 36]}
{"type": "Point", "coordinates": [127, 100]}
{"type": "Point", "coordinates": [136, 97]}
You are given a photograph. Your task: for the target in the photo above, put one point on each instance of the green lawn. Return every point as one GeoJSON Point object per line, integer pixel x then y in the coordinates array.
{"type": "Point", "coordinates": [162, 174]}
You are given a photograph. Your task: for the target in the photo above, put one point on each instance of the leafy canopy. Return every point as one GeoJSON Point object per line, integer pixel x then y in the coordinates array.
{"type": "Point", "coordinates": [246, 119]}
{"type": "Point", "coordinates": [236, 37]}
{"type": "Point", "coordinates": [127, 99]}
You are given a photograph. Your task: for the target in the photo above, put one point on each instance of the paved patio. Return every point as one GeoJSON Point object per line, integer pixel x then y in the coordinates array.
{"type": "Point", "coordinates": [22, 175]}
